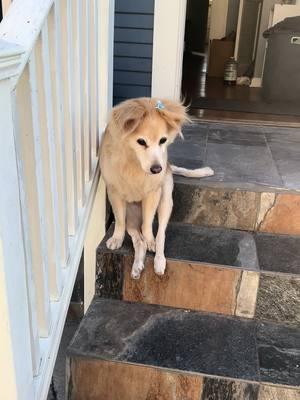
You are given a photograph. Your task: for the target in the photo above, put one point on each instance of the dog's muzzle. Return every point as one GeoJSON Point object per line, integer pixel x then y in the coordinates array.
{"type": "Point", "coordinates": [156, 169]}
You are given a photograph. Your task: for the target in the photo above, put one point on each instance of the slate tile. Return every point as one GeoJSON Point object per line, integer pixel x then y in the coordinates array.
{"type": "Point", "coordinates": [279, 354]}
{"type": "Point", "coordinates": [238, 136]}
{"type": "Point", "coordinates": [237, 163]}
{"type": "Point", "coordinates": [278, 299]}
{"type": "Point", "coordinates": [211, 245]}
{"type": "Point", "coordinates": [278, 393]}
{"type": "Point", "coordinates": [218, 389]}
{"type": "Point", "coordinates": [221, 207]}
{"type": "Point", "coordinates": [278, 253]}
{"type": "Point", "coordinates": [168, 338]}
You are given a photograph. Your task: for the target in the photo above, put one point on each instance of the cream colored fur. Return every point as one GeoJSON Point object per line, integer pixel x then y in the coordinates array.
{"type": "Point", "coordinates": [135, 193]}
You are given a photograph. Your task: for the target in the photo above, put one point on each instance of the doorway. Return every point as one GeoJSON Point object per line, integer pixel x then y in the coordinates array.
{"type": "Point", "coordinates": [215, 31]}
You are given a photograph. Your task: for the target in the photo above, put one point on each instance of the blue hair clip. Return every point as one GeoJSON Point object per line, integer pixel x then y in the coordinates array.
{"type": "Point", "coordinates": [160, 105]}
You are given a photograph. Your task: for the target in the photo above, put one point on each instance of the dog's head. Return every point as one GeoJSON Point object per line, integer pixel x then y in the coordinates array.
{"type": "Point", "coordinates": [148, 126]}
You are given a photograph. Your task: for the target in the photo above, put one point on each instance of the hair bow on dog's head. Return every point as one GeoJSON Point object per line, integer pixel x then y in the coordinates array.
{"type": "Point", "coordinates": [160, 105]}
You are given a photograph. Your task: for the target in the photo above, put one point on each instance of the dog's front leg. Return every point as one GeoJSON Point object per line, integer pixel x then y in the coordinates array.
{"type": "Point", "coordinates": [149, 207]}
{"type": "Point", "coordinates": [164, 213]}
{"type": "Point", "coordinates": [119, 210]}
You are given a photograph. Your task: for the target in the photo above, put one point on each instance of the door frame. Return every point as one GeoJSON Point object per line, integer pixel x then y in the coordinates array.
{"type": "Point", "coordinates": [168, 48]}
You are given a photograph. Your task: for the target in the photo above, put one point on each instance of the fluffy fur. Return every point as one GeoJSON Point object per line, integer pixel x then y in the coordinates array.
{"type": "Point", "coordinates": [134, 165]}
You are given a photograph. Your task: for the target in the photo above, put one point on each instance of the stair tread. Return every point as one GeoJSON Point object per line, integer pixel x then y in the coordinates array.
{"type": "Point", "coordinates": [189, 341]}
{"type": "Point", "coordinates": [243, 156]}
{"type": "Point", "coordinates": [254, 251]}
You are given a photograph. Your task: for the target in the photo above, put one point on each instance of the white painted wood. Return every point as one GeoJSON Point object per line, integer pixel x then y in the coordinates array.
{"type": "Point", "coordinates": [168, 46]}
{"type": "Point", "coordinates": [70, 139]}
{"type": "Point", "coordinates": [57, 83]}
{"type": "Point", "coordinates": [238, 31]}
{"type": "Point", "coordinates": [93, 18]}
{"type": "Point", "coordinates": [33, 181]}
{"type": "Point", "coordinates": [105, 60]}
{"type": "Point", "coordinates": [31, 290]}
{"type": "Point", "coordinates": [79, 97]}
{"type": "Point", "coordinates": [95, 233]}
{"type": "Point", "coordinates": [22, 25]}
{"type": "Point", "coordinates": [16, 378]}
{"type": "Point", "coordinates": [51, 344]}
{"type": "Point", "coordinates": [10, 59]}
{"type": "Point", "coordinates": [85, 17]}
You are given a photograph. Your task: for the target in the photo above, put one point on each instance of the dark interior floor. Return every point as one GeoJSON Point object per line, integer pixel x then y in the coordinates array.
{"type": "Point", "coordinates": [209, 96]}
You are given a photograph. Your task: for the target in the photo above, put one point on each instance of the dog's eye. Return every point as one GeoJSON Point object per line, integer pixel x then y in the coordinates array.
{"type": "Point", "coordinates": [142, 142]}
{"type": "Point", "coordinates": [163, 140]}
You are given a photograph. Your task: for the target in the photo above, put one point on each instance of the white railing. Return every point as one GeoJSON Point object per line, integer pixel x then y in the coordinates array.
{"type": "Point", "coordinates": [55, 92]}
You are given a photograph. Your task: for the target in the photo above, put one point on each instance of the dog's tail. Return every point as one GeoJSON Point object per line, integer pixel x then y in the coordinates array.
{"type": "Point", "coordinates": [192, 173]}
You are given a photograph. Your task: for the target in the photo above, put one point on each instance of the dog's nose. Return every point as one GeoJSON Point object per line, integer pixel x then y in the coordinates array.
{"type": "Point", "coordinates": [156, 169]}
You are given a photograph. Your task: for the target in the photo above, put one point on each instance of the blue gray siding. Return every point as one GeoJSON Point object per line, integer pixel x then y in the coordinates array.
{"type": "Point", "coordinates": [133, 43]}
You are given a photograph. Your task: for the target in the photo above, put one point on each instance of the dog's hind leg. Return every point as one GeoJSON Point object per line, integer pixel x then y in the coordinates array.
{"type": "Point", "coordinates": [119, 210]}
{"type": "Point", "coordinates": [164, 213]}
{"type": "Point", "coordinates": [133, 226]}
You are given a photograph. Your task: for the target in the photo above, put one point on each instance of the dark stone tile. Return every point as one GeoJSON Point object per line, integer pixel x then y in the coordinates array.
{"type": "Point", "coordinates": [279, 354]}
{"type": "Point", "coordinates": [278, 299]}
{"type": "Point", "coordinates": [287, 159]}
{"type": "Point", "coordinates": [219, 389]}
{"type": "Point", "coordinates": [235, 209]}
{"type": "Point", "coordinates": [242, 164]}
{"type": "Point", "coordinates": [211, 245]}
{"type": "Point", "coordinates": [109, 275]}
{"type": "Point", "coordinates": [193, 243]}
{"type": "Point", "coordinates": [244, 136]}
{"type": "Point", "coordinates": [167, 338]}
{"type": "Point", "coordinates": [278, 253]}
{"type": "Point", "coordinates": [282, 135]}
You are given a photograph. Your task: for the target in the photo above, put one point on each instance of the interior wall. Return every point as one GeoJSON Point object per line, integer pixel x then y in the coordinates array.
{"type": "Point", "coordinates": [232, 16]}
{"type": "Point", "coordinates": [261, 46]}
{"type": "Point", "coordinates": [219, 10]}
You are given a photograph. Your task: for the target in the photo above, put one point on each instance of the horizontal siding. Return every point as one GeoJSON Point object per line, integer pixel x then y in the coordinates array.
{"type": "Point", "coordinates": [133, 42]}
{"type": "Point", "coordinates": [134, 6]}
{"type": "Point", "coordinates": [131, 91]}
{"type": "Point", "coordinates": [133, 50]}
{"type": "Point", "coordinates": [132, 78]}
{"type": "Point", "coordinates": [134, 21]}
{"type": "Point", "coordinates": [132, 64]}
{"type": "Point", "coordinates": [130, 35]}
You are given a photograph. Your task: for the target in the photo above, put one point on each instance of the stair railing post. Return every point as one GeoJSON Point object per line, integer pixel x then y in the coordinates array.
{"type": "Point", "coordinates": [16, 378]}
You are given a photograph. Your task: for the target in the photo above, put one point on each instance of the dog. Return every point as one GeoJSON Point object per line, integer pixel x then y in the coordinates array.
{"type": "Point", "coordinates": [138, 177]}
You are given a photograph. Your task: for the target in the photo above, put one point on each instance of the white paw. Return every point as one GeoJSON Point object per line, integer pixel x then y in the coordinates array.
{"type": "Point", "coordinates": [137, 269]}
{"type": "Point", "coordinates": [159, 265]}
{"type": "Point", "coordinates": [207, 171]}
{"type": "Point", "coordinates": [114, 242]}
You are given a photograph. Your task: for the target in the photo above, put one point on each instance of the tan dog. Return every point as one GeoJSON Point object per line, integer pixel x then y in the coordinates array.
{"type": "Point", "coordinates": [134, 165]}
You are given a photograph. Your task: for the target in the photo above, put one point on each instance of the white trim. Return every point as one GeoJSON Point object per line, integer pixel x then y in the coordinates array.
{"type": "Point", "coordinates": [256, 82]}
{"type": "Point", "coordinates": [238, 30]}
{"type": "Point", "coordinates": [168, 47]}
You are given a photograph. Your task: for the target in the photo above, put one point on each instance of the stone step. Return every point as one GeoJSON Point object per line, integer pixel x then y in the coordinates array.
{"type": "Point", "coordinates": [126, 351]}
{"type": "Point", "coordinates": [252, 275]}
{"type": "Point", "coordinates": [256, 185]}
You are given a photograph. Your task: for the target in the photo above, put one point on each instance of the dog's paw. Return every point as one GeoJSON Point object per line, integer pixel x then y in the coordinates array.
{"type": "Point", "coordinates": [137, 269]}
{"type": "Point", "coordinates": [160, 265]}
{"type": "Point", "coordinates": [114, 242]}
{"type": "Point", "coordinates": [207, 171]}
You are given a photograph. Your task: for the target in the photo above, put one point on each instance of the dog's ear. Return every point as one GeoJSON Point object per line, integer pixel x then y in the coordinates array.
{"type": "Point", "coordinates": [128, 116]}
{"type": "Point", "coordinates": [175, 115]}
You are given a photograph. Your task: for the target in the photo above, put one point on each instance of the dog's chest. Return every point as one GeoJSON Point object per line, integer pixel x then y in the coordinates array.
{"type": "Point", "coordinates": [135, 188]}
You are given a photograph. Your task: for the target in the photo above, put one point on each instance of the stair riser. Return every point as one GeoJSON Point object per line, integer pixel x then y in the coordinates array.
{"type": "Point", "coordinates": [202, 287]}
{"type": "Point", "coordinates": [277, 213]}
{"type": "Point", "coordinates": [102, 380]}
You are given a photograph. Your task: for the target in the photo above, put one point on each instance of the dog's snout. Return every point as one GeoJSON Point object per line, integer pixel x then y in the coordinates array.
{"type": "Point", "coordinates": [156, 169]}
